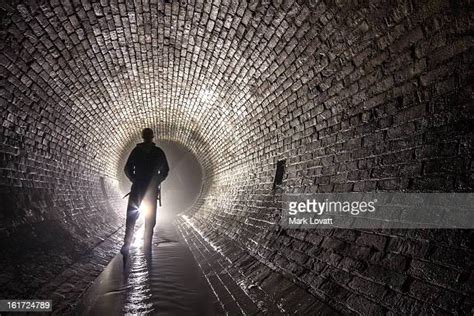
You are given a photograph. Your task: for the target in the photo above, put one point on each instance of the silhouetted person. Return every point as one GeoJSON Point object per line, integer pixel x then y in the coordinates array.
{"type": "Point", "coordinates": [146, 167]}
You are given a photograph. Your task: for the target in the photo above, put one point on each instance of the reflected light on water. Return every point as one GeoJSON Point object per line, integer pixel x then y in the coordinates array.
{"type": "Point", "coordinates": [138, 298]}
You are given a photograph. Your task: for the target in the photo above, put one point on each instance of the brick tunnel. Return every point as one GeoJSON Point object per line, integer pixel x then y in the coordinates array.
{"type": "Point", "coordinates": [342, 96]}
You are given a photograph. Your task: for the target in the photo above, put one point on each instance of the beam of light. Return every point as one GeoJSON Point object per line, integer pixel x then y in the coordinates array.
{"type": "Point", "coordinates": [139, 234]}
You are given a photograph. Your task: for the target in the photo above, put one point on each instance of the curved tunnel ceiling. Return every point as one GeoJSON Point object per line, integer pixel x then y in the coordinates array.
{"type": "Point", "coordinates": [97, 75]}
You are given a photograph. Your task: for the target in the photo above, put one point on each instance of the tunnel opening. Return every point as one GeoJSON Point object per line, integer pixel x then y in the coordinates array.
{"type": "Point", "coordinates": [183, 186]}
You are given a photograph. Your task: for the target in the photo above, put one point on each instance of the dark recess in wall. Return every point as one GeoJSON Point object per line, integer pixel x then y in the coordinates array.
{"type": "Point", "coordinates": [279, 173]}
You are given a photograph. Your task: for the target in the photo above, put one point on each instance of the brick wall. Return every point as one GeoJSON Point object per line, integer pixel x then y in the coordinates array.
{"type": "Point", "coordinates": [382, 102]}
{"type": "Point", "coordinates": [355, 98]}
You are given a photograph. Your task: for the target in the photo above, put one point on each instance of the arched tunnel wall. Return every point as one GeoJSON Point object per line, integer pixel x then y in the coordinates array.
{"type": "Point", "coordinates": [355, 97]}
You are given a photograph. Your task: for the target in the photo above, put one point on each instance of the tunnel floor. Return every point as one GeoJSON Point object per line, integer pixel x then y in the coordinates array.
{"type": "Point", "coordinates": [165, 281]}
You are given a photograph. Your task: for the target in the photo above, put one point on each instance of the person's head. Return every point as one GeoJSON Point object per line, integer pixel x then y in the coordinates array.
{"type": "Point", "coordinates": [147, 134]}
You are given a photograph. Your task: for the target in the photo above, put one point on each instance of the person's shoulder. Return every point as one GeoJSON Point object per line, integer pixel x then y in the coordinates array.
{"type": "Point", "coordinates": [142, 148]}
{"type": "Point", "coordinates": [138, 147]}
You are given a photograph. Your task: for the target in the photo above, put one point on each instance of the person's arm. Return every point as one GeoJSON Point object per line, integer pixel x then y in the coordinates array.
{"type": "Point", "coordinates": [130, 165]}
{"type": "Point", "coordinates": [164, 168]}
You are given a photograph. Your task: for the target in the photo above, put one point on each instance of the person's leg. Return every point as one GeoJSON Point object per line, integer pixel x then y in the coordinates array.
{"type": "Point", "coordinates": [150, 219]}
{"type": "Point", "coordinates": [132, 216]}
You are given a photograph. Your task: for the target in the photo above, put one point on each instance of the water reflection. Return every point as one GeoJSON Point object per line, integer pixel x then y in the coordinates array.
{"type": "Point", "coordinates": [138, 296]}
{"type": "Point", "coordinates": [163, 281]}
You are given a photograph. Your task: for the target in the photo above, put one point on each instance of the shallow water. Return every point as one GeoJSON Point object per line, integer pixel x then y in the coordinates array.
{"type": "Point", "coordinates": [164, 281]}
